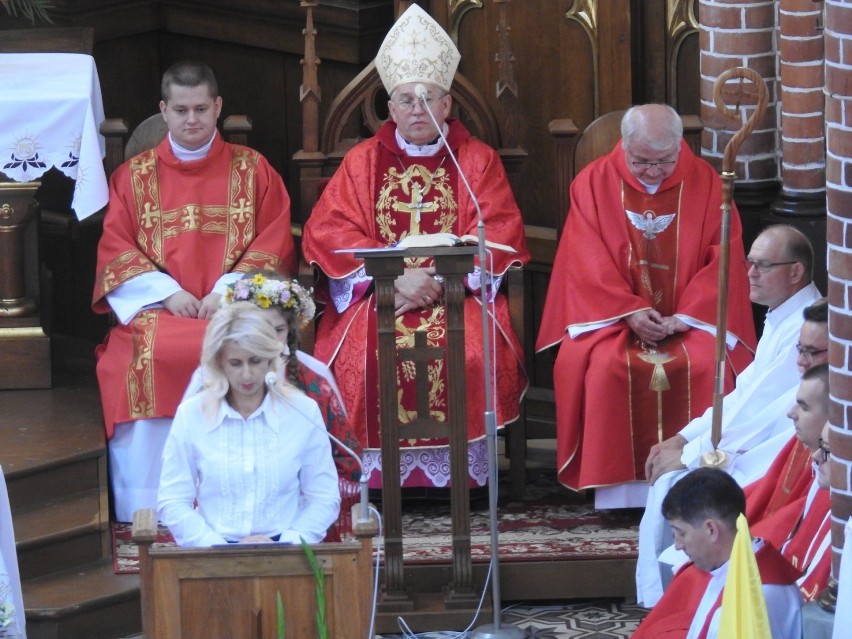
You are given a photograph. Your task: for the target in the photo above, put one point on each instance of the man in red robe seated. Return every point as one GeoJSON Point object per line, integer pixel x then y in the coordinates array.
{"type": "Point", "coordinates": [403, 183]}
{"type": "Point", "coordinates": [802, 528]}
{"type": "Point", "coordinates": [632, 301]}
{"type": "Point", "coordinates": [789, 477]}
{"type": "Point", "coordinates": [184, 220]}
{"type": "Point", "coordinates": [702, 510]}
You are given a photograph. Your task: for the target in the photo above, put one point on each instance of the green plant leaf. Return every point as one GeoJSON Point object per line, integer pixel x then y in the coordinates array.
{"type": "Point", "coordinates": [280, 607]}
{"type": "Point", "coordinates": [319, 579]}
{"type": "Point", "coordinates": [29, 9]}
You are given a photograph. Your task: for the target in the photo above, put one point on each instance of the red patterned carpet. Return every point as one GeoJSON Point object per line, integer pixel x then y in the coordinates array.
{"type": "Point", "coordinates": [550, 523]}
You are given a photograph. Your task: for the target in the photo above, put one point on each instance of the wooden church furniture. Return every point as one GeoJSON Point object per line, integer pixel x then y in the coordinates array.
{"type": "Point", "coordinates": [24, 298]}
{"type": "Point", "coordinates": [453, 264]}
{"type": "Point", "coordinates": [357, 106]}
{"type": "Point", "coordinates": [232, 591]}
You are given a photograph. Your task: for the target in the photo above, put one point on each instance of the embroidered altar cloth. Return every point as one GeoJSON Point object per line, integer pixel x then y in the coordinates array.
{"type": "Point", "coordinates": [52, 109]}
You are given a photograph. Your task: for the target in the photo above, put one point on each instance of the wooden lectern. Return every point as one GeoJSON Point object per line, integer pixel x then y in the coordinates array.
{"type": "Point", "coordinates": [385, 266]}
{"type": "Point", "coordinates": [232, 591]}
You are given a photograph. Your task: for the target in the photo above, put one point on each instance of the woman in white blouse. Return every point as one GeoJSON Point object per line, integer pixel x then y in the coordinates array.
{"type": "Point", "coordinates": [247, 459]}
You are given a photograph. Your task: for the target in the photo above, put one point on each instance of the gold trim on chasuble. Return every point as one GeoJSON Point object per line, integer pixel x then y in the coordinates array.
{"type": "Point", "coordinates": [415, 201]}
{"type": "Point", "coordinates": [651, 225]}
{"type": "Point", "coordinates": [236, 222]}
{"type": "Point", "coordinates": [140, 376]}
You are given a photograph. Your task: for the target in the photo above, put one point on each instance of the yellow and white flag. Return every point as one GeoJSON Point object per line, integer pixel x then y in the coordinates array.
{"type": "Point", "coordinates": [743, 605]}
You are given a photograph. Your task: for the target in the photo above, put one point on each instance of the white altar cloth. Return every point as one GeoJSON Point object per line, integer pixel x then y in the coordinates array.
{"type": "Point", "coordinates": [12, 616]}
{"type": "Point", "coordinates": [50, 112]}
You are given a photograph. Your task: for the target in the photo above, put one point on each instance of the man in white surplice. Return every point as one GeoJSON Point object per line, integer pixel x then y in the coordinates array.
{"type": "Point", "coordinates": [780, 265]}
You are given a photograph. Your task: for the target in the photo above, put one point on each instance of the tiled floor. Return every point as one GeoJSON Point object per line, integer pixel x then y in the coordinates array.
{"type": "Point", "coordinates": [599, 619]}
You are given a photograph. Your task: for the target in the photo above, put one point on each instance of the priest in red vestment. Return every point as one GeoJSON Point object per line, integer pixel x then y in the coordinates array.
{"type": "Point", "coordinates": [184, 220]}
{"type": "Point", "coordinates": [702, 510]}
{"type": "Point", "coordinates": [402, 183]}
{"type": "Point", "coordinates": [632, 303]}
{"type": "Point", "coordinates": [802, 528]}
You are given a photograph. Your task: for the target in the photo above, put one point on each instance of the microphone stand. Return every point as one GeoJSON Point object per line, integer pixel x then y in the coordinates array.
{"type": "Point", "coordinates": [494, 630]}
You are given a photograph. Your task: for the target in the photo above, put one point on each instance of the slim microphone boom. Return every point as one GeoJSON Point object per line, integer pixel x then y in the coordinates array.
{"type": "Point", "coordinates": [495, 630]}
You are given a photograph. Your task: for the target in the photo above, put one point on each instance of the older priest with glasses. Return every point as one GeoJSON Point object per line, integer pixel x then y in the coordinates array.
{"type": "Point", "coordinates": [403, 183]}
{"type": "Point", "coordinates": [632, 305]}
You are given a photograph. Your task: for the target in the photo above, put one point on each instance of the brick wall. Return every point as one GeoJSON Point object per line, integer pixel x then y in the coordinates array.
{"type": "Point", "coordinates": [802, 104]}
{"type": "Point", "coordinates": [838, 133]}
{"type": "Point", "coordinates": [739, 34]}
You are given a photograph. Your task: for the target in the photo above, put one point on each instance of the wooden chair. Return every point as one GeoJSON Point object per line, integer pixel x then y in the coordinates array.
{"type": "Point", "coordinates": [122, 144]}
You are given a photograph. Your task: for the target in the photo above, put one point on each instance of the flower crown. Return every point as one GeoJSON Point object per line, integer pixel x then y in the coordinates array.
{"type": "Point", "coordinates": [266, 292]}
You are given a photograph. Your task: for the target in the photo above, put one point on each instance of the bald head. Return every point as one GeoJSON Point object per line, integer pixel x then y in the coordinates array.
{"type": "Point", "coordinates": [780, 264]}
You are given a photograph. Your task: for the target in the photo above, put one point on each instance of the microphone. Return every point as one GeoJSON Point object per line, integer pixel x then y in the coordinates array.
{"type": "Point", "coordinates": [421, 94]}
{"type": "Point", "coordinates": [272, 379]}
{"type": "Point", "coordinates": [489, 415]}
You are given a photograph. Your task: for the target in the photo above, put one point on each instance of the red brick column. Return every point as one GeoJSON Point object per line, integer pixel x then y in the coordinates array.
{"type": "Point", "coordinates": [838, 129]}
{"type": "Point", "coordinates": [738, 33]}
{"type": "Point", "coordinates": [800, 48]}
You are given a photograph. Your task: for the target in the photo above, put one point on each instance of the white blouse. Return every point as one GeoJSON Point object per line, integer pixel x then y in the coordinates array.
{"type": "Point", "coordinates": [271, 474]}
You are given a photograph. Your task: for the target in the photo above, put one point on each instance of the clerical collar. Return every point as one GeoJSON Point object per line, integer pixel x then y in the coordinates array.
{"type": "Point", "coordinates": [422, 150]}
{"type": "Point", "coordinates": [185, 155]}
{"type": "Point", "coordinates": [650, 188]}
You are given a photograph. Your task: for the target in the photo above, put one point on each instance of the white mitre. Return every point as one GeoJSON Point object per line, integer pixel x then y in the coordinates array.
{"type": "Point", "coordinates": [417, 49]}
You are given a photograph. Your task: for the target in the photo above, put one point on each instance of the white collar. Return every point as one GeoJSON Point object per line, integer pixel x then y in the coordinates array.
{"type": "Point", "coordinates": [425, 150]}
{"type": "Point", "coordinates": [187, 155]}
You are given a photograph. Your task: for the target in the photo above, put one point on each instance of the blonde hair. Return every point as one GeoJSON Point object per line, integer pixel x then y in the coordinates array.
{"type": "Point", "coordinates": [244, 325]}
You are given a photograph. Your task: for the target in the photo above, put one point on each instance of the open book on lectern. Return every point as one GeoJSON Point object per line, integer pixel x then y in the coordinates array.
{"type": "Point", "coordinates": [448, 239]}
{"type": "Point", "coordinates": [430, 240]}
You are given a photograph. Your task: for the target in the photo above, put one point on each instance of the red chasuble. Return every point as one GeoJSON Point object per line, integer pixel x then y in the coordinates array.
{"type": "Point", "coordinates": [194, 221]}
{"type": "Point", "coordinates": [372, 202]}
{"type": "Point", "coordinates": [788, 479]}
{"type": "Point", "coordinates": [624, 250]}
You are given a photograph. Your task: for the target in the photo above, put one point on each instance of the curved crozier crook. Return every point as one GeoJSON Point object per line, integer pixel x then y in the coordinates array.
{"type": "Point", "coordinates": [733, 145]}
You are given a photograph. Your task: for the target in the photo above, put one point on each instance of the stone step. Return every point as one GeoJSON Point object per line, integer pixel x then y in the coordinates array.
{"type": "Point", "coordinates": [89, 602]}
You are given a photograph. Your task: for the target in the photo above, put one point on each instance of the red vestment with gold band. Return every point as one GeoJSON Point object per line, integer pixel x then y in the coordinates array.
{"type": "Point", "coordinates": [370, 203]}
{"type": "Point", "coordinates": [624, 250]}
{"type": "Point", "coordinates": [194, 221]}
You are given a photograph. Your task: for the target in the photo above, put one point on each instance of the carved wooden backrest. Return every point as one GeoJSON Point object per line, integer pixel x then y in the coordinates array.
{"type": "Point", "coordinates": [360, 108]}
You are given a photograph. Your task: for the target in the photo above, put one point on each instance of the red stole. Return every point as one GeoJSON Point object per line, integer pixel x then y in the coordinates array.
{"type": "Point", "coordinates": [789, 478]}
{"type": "Point", "coordinates": [805, 540]}
{"type": "Point", "coordinates": [653, 229]}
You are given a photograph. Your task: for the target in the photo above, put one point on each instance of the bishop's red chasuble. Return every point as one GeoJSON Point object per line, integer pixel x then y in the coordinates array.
{"type": "Point", "coordinates": [625, 250]}
{"type": "Point", "coordinates": [194, 221]}
{"type": "Point", "coordinates": [377, 197]}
